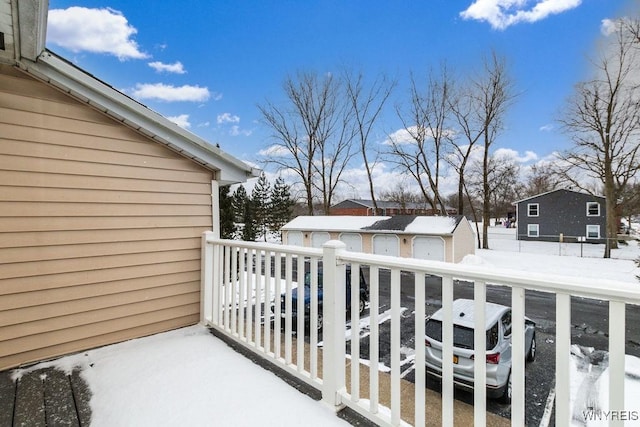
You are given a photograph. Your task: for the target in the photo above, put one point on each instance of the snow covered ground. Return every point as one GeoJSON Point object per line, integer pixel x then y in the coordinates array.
{"type": "Point", "coordinates": [188, 377]}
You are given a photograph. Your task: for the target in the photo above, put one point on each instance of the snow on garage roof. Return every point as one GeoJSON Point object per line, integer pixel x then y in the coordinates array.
{"type": "Point", "coordinates": [332, 223]}
{"type": "Point", "coordinates": [406, 224]}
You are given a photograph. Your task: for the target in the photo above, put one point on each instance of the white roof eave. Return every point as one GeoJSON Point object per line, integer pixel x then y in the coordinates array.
{"type": "Point", "coordinates": [86, 88]}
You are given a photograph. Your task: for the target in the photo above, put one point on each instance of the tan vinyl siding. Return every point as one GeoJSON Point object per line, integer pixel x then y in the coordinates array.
{"type": "Point", "coordinates": [99, 227]}
{"type": "Point", "coordinates": [6, 27]}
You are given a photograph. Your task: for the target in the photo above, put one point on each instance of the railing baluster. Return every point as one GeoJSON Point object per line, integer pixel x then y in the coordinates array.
{"type": "Point", "coordinates": [447, 351]}
{"type": "Point", "coordinates": [395, 346]}
{"type": "Point", "coordinates": [288, 303]}
{"type": "Point", "coordinates": [313, 321]}
{"type": "Point", "coordinates": [227, 287]}
{"type": "Point", "coordinates": [374, 340]}
{"type": "Point", "coordinates": [207, 284]}
{"type": "Point", "coordinates": [242, 294]}
{"type": "Point", "coordinates": [479, 353]}
{"type": "Point", "coordinates": [300, 310]}
{"type": "Point", "coordinates": [234, 290]}
{"type": "Point", "coordinates": [355, 332]}
{"type": "Point", "coordinates": [277, 329]}
{"type": "Point", "coordinates": [517, 356]}
{"type": "Point", "coordinates": [267, 302]}
{"type": "Point", "coordinates": [420, 379]}
{"type": "Point", "coordinates": [259, 292]}
{"type": "Point", "coordinates": [563, 356]}
{"type": "Point", "coordinates": [617, 323]}
{"type": "Point", "coordinates": [251, 288]}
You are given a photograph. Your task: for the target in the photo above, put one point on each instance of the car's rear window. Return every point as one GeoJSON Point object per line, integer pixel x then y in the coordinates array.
{"type": "Point", "coordinates": [462, 336]}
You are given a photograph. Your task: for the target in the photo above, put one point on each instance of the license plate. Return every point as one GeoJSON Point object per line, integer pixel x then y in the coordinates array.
{"type": "Point", "coordinates": [455, 360]}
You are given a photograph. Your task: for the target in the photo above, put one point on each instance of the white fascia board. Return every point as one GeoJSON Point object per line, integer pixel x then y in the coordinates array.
{"type": "Point", "coordinates": [86, 88]}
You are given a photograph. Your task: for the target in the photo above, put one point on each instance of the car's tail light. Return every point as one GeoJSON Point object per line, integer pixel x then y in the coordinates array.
{"type": "Point", "coordinates": [494, 358]}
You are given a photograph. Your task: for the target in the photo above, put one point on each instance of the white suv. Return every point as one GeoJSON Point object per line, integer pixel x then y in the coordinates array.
{"type": "Point", "coordinates": [498, 329]}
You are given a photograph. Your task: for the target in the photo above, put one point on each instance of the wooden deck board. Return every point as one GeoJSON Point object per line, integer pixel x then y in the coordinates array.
{"type": "Point", "coordinates": [44, 397]}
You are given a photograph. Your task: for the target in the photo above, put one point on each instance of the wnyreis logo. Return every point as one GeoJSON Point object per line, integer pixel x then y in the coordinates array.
{"type": "Point", "coordinates": [600, 415]}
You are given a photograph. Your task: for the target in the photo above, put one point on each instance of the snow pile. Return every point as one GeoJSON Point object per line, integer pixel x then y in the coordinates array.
{"type": "Point", "coordinates": [590, 388]}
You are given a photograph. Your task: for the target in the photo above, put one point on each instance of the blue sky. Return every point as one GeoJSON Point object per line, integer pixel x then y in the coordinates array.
{"type": "Point", "coordinates": [206, 64]}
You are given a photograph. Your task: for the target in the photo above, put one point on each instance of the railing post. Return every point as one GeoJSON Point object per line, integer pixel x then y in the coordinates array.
{"type": "Point", "coordinates": [206, 280]}
{"type": "Point", "coordinates": [334, 307]}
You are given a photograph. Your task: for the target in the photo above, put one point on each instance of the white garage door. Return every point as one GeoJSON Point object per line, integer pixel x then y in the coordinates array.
{"type": "Point", "coordinates": [384, 244]}
{"type": "Point", "coordinates": [428, 248]}
{"type": "Point", "coordinates": [353, 241]}
{"type": "Point", "coordinates": [319, 238]}
{"type": "Point", "coordinates": [295, 238]}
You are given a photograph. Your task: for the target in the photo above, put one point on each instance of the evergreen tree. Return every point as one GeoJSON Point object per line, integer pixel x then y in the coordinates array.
{"type": "Point", "coordinates": [239, 202]}
{"type": "Point", "coordinates": [249, 231]}
{"type": "Point", "coordinates": [260, 197]}
{"type": "Point", "coordinates": [281, 205]}
{"type": "Point", "coordinates": [226, 213]}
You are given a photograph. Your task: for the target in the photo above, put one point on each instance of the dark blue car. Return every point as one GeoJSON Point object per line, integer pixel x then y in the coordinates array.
{"type": "Point", "coordinates": [362, 300]}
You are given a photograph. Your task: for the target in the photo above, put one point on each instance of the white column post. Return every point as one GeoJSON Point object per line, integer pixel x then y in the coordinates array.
{"type": "Point", "coordinates": [206, 280]}
{"type": "Point", "coordinates": [215, 208]}
{"type": "Point", "coordinates": [334, 307]}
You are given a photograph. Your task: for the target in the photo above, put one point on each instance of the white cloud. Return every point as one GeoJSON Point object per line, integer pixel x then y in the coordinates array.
{"type": "Point", "coordinates": [501, 14]}
{"type": "Point", "coordinates": [506, 153]}
{"type": "Point", "coordinates": [204, 125]}
{"type": "Point", "coordinates": [182, 120]}
{"type": "Point", "coordinates": [216, 96]}
{"type": "Point", "coordinates": [93, 30]}
{"type": "Point", "coordinates": [609, 26]}
{"type": "Point", "coordinates": [401, 136]}
{"type": "Point", "coordinates": [274, 151]}
{"type": "Point", "coordinates": [227, 118]}
{"type": "Point", "coordinates": [162, 92]}
{"type": "Point", "coordinates": [160, 67]}
{"type": "Point", "coordinates": [546, 128]}
{"type": "Point", "coordinates": [236, 131]}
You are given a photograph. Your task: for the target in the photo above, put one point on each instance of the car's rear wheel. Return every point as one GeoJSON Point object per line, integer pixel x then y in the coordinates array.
{"type": "Point", "coordinates": [533, 350]}
{"type": "Point", "coordinates": [506, 397]}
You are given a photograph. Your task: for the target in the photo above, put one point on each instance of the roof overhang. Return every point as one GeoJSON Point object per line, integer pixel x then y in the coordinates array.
{"type": "Point", "coordinates": [30, 22]}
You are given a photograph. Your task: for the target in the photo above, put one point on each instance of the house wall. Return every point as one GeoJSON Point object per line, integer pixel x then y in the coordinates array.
{"type": "Point", "coordinates": [463, 241]}
{"type": "Point", "coordinates": [99, 227]}
{"type": "Point", "coordinates": [561, 212]}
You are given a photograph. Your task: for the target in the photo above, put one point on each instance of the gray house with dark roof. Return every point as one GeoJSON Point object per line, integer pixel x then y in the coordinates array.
{"type": "Point", "coordinates": [562, 214]}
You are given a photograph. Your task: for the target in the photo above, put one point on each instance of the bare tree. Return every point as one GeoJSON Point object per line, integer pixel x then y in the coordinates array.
{"type": "Point", "coordinates": [426, 126]}
{"type": "Point", "coordinates": [493, 93]}
{"type": "Point", "coordinates": [312, 134]}
{"type": "Point", "coordinates": [468, 132]}
{"type": "Point", "coordinates": [603, 119]}
{"type": "Point", "coordinates": [367, 103]}
{"type": "Point", "coordinates": [542, 178]}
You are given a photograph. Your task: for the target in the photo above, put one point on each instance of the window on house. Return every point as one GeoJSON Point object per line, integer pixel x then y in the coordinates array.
{"type": "Point", "coordinates": [533, 209]}
{"type": "Point", "coordinates": [533, 230]}
{"type": "Point", "coordinates": [593, 209]}
{"type": "Point", "coordinates": [593, 231]}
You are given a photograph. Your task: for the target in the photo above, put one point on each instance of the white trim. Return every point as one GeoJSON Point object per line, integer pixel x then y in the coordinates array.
{"type": "Point", "coordinates": [593, 203]}
{"type": "Point", "coordinates": [529, 206]}
{"type": "Point", "coordinates": [537, 228]}
{"type": "Point", "coordinates": [592, 226]}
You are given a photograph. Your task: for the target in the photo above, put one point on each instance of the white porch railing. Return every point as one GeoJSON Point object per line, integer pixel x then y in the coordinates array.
{"type": "Point", "coordinates": [240, 284]}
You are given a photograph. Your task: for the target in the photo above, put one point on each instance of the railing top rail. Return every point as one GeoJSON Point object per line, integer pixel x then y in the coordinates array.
{"type": "Point", "coordinates": [287, 249]}
{"type": "Point", "coordinates": [602, 289]}
{"type": "Point", "coordinates": [608, 290]}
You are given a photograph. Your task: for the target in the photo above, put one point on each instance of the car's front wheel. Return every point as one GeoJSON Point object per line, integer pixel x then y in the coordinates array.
{"type": "Point", "coordinates": [531, 356]}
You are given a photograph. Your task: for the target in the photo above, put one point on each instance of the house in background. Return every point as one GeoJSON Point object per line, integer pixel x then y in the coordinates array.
{"type": "Point", "coordinates": [574, 215]}
{"type": "Point", "coordinates": [424, 237]}
{"type": "Point", "coordinates": [385, 208]}
{"type": "Point", "coordinates": [102, 204]}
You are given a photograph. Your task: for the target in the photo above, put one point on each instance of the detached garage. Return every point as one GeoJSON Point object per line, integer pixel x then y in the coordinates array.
{"type": "Point", "coordinates": [424, 237]}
